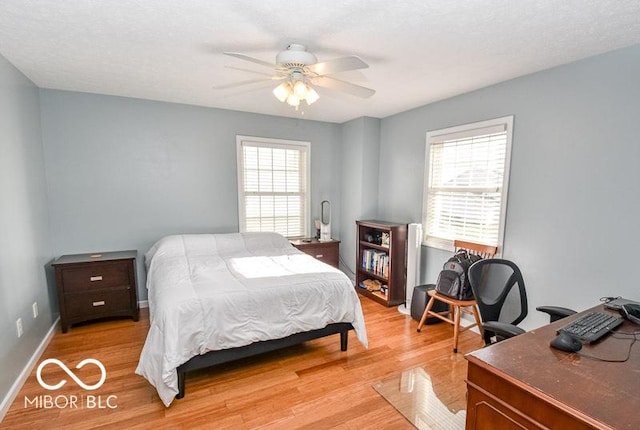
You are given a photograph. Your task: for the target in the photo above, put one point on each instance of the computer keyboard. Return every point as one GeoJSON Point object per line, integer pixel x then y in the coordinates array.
{"type": "Point", "coordinates": [592, 326]}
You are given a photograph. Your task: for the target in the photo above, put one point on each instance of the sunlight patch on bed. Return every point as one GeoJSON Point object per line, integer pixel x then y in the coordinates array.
{"type": "Point", "coordinates": [275, 266]}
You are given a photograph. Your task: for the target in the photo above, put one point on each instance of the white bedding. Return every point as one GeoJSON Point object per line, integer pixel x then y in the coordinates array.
{"type": "Point", "coordinates": [219, 291]}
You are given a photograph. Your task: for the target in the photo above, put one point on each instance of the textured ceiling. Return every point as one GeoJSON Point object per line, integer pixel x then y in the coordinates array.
{"type": "Point", "coordinates": [419, 51]}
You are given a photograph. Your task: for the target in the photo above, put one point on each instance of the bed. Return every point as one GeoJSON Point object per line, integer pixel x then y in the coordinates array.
{"type": "Point", "coordinates": [219, 297]}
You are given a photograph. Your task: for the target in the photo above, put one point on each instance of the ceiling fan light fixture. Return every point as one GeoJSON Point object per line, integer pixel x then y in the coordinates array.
{"type": "Point", "coordinates": [294, 93]}
{"type": "Point", "coordinates": [282, 91]}
{"type": "Point", "coordinates": [300, 89]}
{"type": "Point", "coordinates": [293, 100]}
{"type": "Point", "coordinates": [312, 95]}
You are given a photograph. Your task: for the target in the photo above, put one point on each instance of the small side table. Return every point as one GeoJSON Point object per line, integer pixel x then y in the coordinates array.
{"type": "Point", "coordinates": [325, 251]}
{"type": "Point", "coordinates": [93, 286]}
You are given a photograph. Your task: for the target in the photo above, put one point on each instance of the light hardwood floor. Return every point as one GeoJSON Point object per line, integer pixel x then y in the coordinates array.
{"type": "Point", "coordinates": [312, 386]}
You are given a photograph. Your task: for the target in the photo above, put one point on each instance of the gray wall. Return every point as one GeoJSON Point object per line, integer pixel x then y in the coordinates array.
{"type": "Point", "coordinates": [574, 204]}
{"type": "Point", "coordinates": [122, 173]}
{"type": "Point", "coordinates": [359, 157]}
{"type": "Point", "coordinates": [24, 230]}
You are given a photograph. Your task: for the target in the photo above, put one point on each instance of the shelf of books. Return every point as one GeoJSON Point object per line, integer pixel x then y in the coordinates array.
{"type": "Point", "coordinates": [381, 261]}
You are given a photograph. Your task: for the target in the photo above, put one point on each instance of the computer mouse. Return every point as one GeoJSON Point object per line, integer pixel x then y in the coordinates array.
{"type": "Point", "coordinates": [566, 342]}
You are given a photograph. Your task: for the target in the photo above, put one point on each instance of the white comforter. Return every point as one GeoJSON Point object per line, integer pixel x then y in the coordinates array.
{"type": "Point", "coordinates": [218, 291]}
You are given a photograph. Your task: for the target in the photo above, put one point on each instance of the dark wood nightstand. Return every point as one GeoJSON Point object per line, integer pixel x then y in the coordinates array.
{"type": "Point", "coordinates": [92, 286]}
{"type": "Point", "coordinates": [325, 251]}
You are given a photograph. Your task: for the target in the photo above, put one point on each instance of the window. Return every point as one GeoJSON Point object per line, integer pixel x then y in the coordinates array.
{"type": "Point", "coordinates": [466, 183]}
{"type": "Point", "coordinates": [273, 184]}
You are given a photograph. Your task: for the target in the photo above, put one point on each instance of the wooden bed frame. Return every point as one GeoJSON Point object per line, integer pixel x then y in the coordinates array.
{"type": "Point", "coordinates": [212, 358]}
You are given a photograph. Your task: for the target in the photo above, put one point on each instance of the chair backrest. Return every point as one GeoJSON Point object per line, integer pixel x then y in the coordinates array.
{"type": "Point", "coordinates": [499, 289]}
{"type": "Point", "coordinates": [484, 251]}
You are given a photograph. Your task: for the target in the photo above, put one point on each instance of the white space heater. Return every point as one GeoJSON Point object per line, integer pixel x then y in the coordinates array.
{"type": "Point", "coordinates": [414, 241]}
{"type": "Point", "coordinates": [325, 221]}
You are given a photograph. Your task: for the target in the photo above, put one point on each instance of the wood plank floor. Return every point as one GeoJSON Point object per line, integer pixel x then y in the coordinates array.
{"type": "Point", "coordinates": [310, 386]}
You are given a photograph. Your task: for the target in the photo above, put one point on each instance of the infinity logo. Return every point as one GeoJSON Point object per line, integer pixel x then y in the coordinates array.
{"type": "Point", "coordinates": [70, 373]}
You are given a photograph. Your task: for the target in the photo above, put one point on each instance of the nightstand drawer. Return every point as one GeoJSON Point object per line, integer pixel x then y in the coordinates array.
{"type": "Point", "coordinates": [327, 252]}
{"type": "Point", "coordinates": [95, 276]}
{"type": "Point", "coordinates": [96, 304]}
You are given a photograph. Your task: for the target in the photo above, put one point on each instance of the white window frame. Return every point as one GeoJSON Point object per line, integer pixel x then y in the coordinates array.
{"type": "Point", "coordinates": [305, 193]}
{"type": "Point", "coordinates": [461, 132]}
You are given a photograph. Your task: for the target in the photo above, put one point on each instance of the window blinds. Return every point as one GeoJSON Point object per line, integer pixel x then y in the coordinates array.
{"type": "Point", "coordinates": [273, 182]}
{"type": "Point", "coordinates": [465, 186]}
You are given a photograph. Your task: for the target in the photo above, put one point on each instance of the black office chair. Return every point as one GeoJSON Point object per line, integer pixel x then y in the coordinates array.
{"type": "Point", "coordinates": [495, 283]}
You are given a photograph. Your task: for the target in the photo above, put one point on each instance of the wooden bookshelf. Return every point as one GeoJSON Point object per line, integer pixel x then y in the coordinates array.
{"type": "Point", "coordinates": [381, 256]}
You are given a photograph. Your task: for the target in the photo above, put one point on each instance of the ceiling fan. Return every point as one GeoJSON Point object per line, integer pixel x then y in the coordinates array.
{"type": "Point", "coordinates": [300, 72]}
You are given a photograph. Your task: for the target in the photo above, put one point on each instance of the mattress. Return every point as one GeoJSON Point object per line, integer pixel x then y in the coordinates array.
{"type": "Point", "coordinates": [211, 292]}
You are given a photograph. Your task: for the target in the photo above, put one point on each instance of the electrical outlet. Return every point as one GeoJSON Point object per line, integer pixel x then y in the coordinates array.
{"type": "Point", "coordinates": [35, 309]}
{"type": "Point", "coordinates": [19, 327]}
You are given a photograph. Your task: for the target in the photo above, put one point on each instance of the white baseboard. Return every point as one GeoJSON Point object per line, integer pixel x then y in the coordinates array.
{"type": "Point", "coordinates": [26, 371]}
{"type": "Point", "coordinates": [143, 303]}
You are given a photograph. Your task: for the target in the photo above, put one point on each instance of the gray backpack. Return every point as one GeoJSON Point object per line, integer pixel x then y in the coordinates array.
{"type": "Point", "coordinates": [453, 280]}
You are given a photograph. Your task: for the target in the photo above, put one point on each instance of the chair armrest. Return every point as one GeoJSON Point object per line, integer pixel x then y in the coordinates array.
{"type": "Point", "coordinates": [502, 330]}
{"type": "Point", "coordinates": [555, 312]}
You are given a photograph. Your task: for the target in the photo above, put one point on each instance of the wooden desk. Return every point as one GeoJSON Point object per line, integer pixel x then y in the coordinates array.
{"type": "Point", "coordinates": [524, 383]}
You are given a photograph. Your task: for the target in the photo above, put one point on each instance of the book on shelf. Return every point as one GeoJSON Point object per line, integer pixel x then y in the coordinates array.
{"type": "Point", "coordinates": [376, 262]}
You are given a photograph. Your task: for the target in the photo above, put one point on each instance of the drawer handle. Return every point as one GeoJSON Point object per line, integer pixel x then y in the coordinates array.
{"type": "Point", "coordinates": [100, 303]}
{"type": "Point", "coordinates": [95, 278]}
{"type": "Point", "coordinates": [319, 256]}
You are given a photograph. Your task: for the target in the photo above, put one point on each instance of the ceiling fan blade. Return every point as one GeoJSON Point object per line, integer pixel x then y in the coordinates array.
{"type": "Point", "coordinates": [338, 65]}
{"type": "Point", "coordinates": [248, 82]}
{"type": "Point", "coordinates": [255, 72]}
{"type": "Point", "coordinates": [347, 87]}
{"type": "Point", "coordinates": [247, 58]}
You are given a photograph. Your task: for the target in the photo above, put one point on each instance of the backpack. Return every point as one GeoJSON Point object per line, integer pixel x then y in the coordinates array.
{"type": "Point", "coordinates": [453, 280]}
